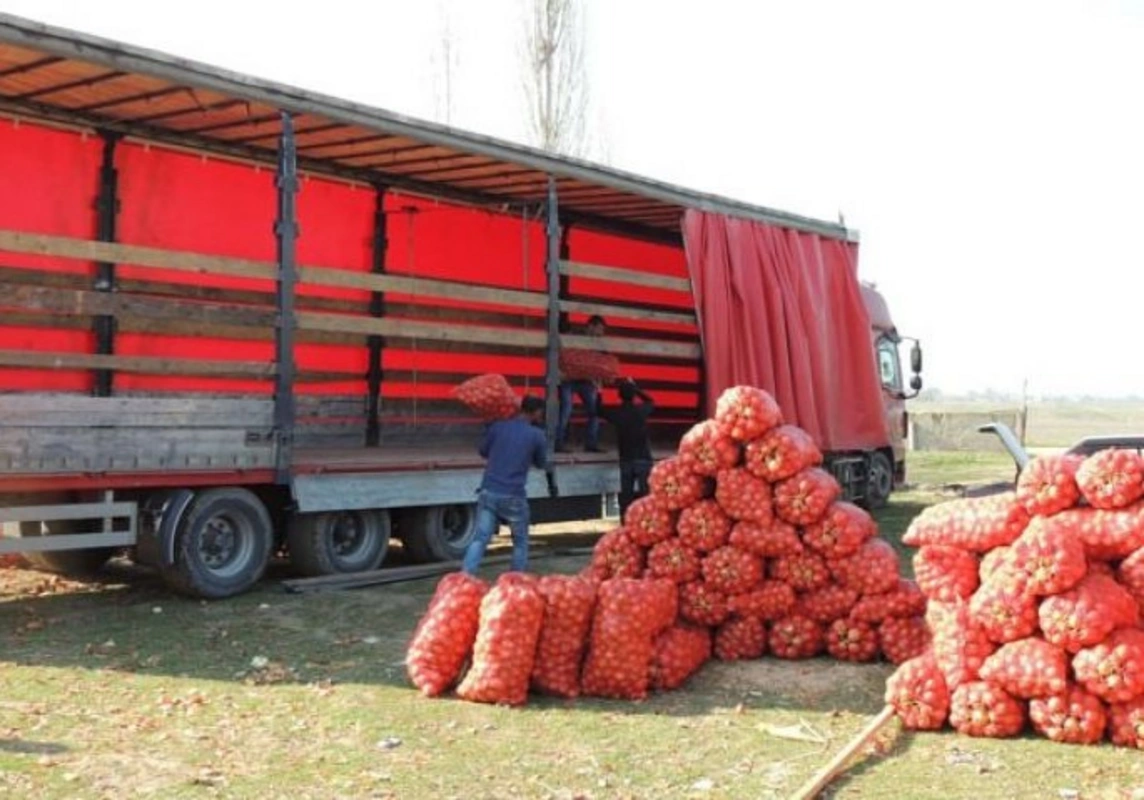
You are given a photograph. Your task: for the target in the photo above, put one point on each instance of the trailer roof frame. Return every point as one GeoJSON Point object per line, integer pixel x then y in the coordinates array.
{"type": "Point", "coordinates": [75, 78]}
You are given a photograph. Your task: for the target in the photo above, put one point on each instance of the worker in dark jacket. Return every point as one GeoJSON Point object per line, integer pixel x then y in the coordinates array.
{"type": "Point", "coordinates": [630, 422]}
{"type": "Point", "coordinates": [510, 448]}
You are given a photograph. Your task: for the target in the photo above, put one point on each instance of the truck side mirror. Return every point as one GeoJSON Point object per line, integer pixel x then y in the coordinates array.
{"type": "Point", "coordinates": [916, 359]}
{"type": "Point", "coordinates": [916, 384]}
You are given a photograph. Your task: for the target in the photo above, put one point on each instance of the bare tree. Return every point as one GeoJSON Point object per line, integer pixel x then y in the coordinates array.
{"type": "Point", "coordinates": [555, 81]}
{"type": "Point", "coordinates": [446, 61]}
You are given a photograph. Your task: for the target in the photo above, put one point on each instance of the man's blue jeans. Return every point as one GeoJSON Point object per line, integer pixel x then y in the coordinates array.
{"type": "Point", "coordinates": [492, 510]}
{"type": "Point", "coordinates": [589, 395]}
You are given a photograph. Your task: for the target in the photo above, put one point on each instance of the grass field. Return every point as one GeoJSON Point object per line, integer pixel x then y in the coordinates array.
{"type": "Point", "coordinates": [122, 690]}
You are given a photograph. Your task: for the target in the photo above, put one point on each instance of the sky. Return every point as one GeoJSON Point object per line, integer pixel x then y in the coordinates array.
{"type": "Point", "coordinates": [991, 154]}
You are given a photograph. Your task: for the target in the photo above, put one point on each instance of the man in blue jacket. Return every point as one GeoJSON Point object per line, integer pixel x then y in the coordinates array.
{"type": "Point", "coordinates": [510, 448]}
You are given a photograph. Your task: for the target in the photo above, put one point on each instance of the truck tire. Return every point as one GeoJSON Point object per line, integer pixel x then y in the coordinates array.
{"type": "Point", "coordinates": [222, 545]}
{"type": "Point", "coordinates": [879, 480]}
{"type": "Point", "coordinates": [439, 533]}
{"type": "Point", "coordinates": [72, 563]}
{"type": "Point", "coordinates": [337, 542]}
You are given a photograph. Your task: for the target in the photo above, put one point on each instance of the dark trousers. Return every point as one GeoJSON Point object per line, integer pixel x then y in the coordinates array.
{"type": "Point", "coordinates": [633, 483]}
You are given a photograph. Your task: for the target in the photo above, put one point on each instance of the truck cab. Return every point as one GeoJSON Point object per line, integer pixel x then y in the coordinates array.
{"type": "Point", "coordinates": [887, 344]}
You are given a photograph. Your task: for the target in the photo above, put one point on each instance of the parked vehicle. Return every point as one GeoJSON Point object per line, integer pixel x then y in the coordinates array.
{"type": "Point", "coordinates": [234, 312]}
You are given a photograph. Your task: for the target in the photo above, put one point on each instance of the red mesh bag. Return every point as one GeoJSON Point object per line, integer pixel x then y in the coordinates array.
{"type": "Point", "coordinates": [1004, 611]}
{"type": "Point", "coordinates": [981, 708]}
{"type": "Point", "coordinates": [850, 640]}
{"type": "Point", "coordinates": [904, 600]}
{"type": "Point", "coordinates": [1130, 573]}
{"type": "Point", "coordinates": [1106, 535]}
{"type": "Point", "coordinates": [1046, 559]}
{"type": "Point", "coordinates": [731, 571]}
{"type": "Point", "coordinates": [960, 645]}
{"type": "Point", "coordinates": [782, 453]}
{"type": "Point", "coordinates": [745, 413]}
{"type": "Point", "coordinates": [903, 639]}
{"type": "Point", "coordinates": [946, 573]}
{"type": "Point", "coordinates": [679, 653]}
{"type": "Point", "coordinates": [617, 556]}
{"type": "Point", "coordinates": [796, 637]}
{"type": "Point", "coordinates": [703, 526]}
{"type": "Point", "coordinates": [872, 569]}
{"type": "Point", "coordinates": [918, 694]}
{"type": "Point", "coordinates": [706, 451]}
{"type": "Point", "coordinates": [1028, 668]}
{"type": "Point", "coordinates": [629, 616]}
{"type": "Point", "coordinates": [844, 528]}
{"type": "Point", "coordinates": [1071, 717]}
{"type": "Point", "coordinates": [702, 604]}
{"type": "Point", "coordinates": [827, 604]}
{"type": "Point", "coordinates": [1048, 484]}
{"type": "Point", "coordinates": [993, 562]}
{"type": "Point", "coordinates": [1126, 723]}
{"type": "Point", "coordinates": [512, 614]}
{"type": "Point", "coordinates": [1112, 478]}
{"type": "Point", "coordinates": [771, 600]}
{"type": "Point", "coordinates": [767, 541]}
{"type": "Point", "coordinates": [588, 365]}
{"type": "Point", "coordinates": [1114, 669]}
{"type": "Point", "coordinates": [742, 496]}
{"type": "Point", "coordinates": [444, 637]}
{"type": "Point", "coordinates": [1086, 615]}
{"type": "Point", "coordinates": [804, 572]}
{"type": "Point", "coordinates": [979, 524]}
{"type": "Point", "coordinates": [740, 639]}
{"type": "Point", "coordinates": [569, 603]}
{"type": "Point", "coordinates": [804, 498]}
{"type": "Point", "coordinates": [674, 561]}
{"type": "Point", "coordinates": [488, 396]}
{"type": "Point", "coordinates": [648, 521]}
{"type": "Point", "coordinates": [675, 486]}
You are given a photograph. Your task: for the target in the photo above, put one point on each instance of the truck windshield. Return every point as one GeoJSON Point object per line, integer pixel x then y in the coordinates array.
{"type": "Point", "coordinates": [889, 364]}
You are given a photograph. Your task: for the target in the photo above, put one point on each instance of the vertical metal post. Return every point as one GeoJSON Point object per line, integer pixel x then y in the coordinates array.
{"type": "Point", "coordinates": [552, 352]}
{"type": "Point", "coordinates": [286, 233]}
{"type": "Point", "coordinates": [376, 309]}
{"type": "Point", "coordinates": [106, 210]}
{"type": "Point", "coordinates": [565, 281]}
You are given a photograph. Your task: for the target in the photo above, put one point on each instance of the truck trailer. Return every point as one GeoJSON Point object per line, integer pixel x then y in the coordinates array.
{"type": "Point", "coordinates": [233, 313]}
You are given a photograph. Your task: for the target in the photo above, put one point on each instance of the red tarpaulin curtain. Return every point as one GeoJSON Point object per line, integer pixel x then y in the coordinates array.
{"type": "Point", "coordinates": [783, 311]}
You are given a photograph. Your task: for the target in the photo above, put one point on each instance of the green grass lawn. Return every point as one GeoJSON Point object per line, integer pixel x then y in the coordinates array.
{"type": "Point", "coordinates": [122, 690]}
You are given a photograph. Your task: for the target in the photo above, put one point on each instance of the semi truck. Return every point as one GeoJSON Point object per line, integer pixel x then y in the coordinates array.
{"type": "Point", "coordinates": [232, 313]}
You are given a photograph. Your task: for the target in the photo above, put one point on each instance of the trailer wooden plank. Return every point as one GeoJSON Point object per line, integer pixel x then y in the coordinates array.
{"type": "Point", "coordinates": [141, 364]}
{"type": "Point", "coordinates": [69, 449]}
{"type": "Point", "coordinates": [626, 312]}
{"type": "Point", "coordinates": [121, 304]}
{"type": "Point", "coordinates": [156, 258]}
{"type": "Point", "coordinates": [116, 253]}
{"type": "Point", "coordinates": [403, 284]}
{"type": "Point", "coordinates": [416, 329]}
{"type": "Point", "coordinates": [647, 347]}
{"type": "Point", "coordinates": [618, 275]}
{"type": "Point", "coordinates": [77, 411]}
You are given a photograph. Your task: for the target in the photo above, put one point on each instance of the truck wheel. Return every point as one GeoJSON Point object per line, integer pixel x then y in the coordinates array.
{"type": "Point", "coordinates": [879, 481]}
{"type": "Point", "coordinates": [439, 533]}
{"type": "Point", "coordinates": [336, 542]}
{"type": "Point", "coordinates": [72, 563]}
{"type": "Point", "coordinates": [222, 545]}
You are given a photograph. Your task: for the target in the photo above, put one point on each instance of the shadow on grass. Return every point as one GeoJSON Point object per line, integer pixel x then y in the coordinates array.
{"type": "Point", "coordinates": [127, 621]}
{"type": "Point", "coordinates": [24, 747]}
